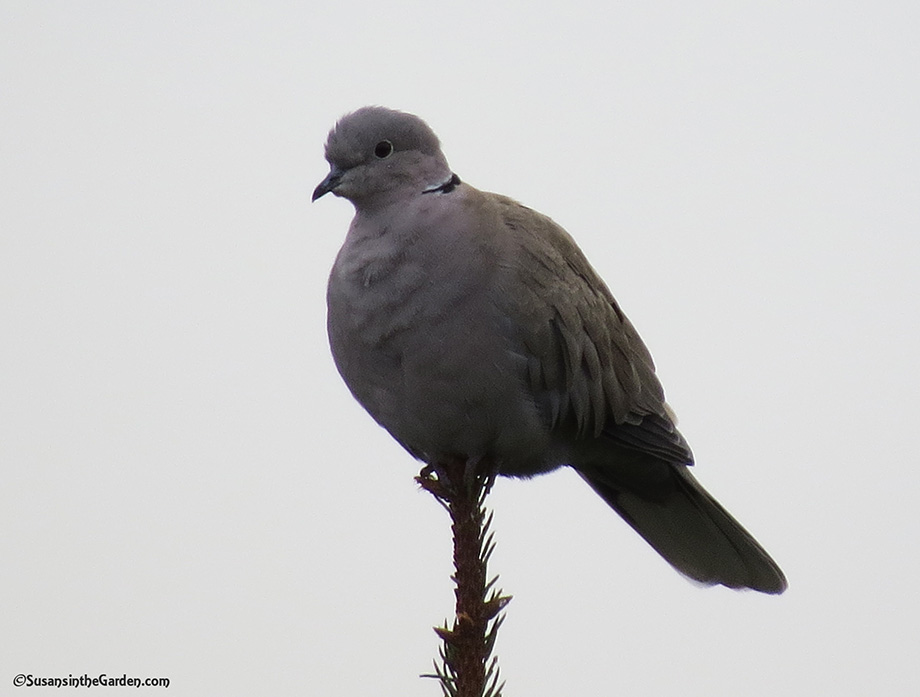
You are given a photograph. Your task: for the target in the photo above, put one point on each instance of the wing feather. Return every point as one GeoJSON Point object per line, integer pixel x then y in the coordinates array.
{"type": "Point", "coordinates": [587, 366]}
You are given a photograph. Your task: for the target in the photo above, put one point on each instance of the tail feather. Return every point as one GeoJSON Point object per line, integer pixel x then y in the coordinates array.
{"type": "Point", "coordinates": [690, 529]}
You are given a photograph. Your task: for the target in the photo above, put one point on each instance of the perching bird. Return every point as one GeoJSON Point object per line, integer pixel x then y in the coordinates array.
{"type": "Point", "coordinates": [470, 326]}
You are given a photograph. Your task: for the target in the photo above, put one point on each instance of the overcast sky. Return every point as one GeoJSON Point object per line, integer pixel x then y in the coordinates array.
{"type": "Point", "coordinates": [189, 490]}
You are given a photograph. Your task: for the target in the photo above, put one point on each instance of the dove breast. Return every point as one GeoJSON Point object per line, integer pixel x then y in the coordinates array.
{"type": "Point", "coordinates": [421, 334]}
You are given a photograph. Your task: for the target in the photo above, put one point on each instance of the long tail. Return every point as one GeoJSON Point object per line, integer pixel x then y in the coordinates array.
{"type": "Point", "coordinates": [690, 529]}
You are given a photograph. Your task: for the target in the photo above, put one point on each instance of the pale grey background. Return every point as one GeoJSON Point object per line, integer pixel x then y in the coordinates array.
{"type": "Point", "coordinates": [188, 490]}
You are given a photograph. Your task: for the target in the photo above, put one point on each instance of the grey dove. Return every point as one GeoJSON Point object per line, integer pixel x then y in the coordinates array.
{"type": "Point", "coordinates": [470, 326]}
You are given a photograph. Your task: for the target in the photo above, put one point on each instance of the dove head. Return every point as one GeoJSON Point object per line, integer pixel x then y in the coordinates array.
{"type": "Point", "coordinates": [376, 155]}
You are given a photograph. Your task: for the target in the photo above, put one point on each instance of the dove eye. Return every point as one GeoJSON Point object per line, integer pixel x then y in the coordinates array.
{"type": "Point", "coordinates": [383, 149]}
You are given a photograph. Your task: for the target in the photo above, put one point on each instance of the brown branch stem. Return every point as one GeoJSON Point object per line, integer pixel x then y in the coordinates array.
{"type": "Point", "coordinates": [461, 487]}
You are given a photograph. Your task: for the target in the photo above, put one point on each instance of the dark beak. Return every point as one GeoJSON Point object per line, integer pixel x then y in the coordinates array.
{"type": "Point", "coordinates": [328, 184]}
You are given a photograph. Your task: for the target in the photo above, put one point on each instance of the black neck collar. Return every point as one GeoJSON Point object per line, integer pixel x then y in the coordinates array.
{"type": "Point", "coordinates": [446, 187]}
